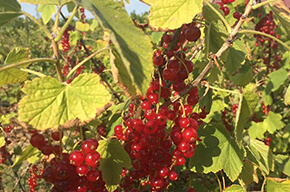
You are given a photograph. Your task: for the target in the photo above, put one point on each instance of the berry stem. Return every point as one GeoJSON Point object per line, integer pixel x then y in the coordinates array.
{"type": "Point", "coordinates": [5, 67]}
{"type": "Point", "coordinates": [246, 31]}
{"type": "Point", "coordinates": [85, 60]}
{"type": "Point", "coordinates": [69, 20]}
{"type": "Point", "coordinates": [43, 27]}
{"type": "Point", "coordinates": [263, 3]}
{"type": "Point", "coordinates": [227, 25]}
{"type": "Point", "coordinates": [33, 72]}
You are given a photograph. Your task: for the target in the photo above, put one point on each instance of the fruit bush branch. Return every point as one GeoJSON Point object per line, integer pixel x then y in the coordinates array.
{"type": "Point", "coordinates": [227, 44]}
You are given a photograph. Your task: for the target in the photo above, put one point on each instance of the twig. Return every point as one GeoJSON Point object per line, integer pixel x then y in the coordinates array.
{"type": "Point", "coordinates": [228, 43]}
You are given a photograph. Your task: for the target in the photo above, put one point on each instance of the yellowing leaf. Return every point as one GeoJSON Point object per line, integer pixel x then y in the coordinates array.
{"type": "Point", "coordinates": [82, 26]}
{"type": "Point", "coordinates": [49, 103]}
{"type": "Point", "coordinates": [14, 75]}
{"type": "Point", "coordinates": [171, 14]}
{"type": "Point", "coordinates": [275, 186]}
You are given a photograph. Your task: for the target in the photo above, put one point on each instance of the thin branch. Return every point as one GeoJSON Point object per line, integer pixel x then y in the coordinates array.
{"type": "Point", "coordinates": [68, 21]}
{"type": "Point", "coordinates": [85, 60]}
{"type": "Point", "coordinates": [8, 66]}
{"type": "Point", "coordinates": [43, 27]}
{"type": "Point", "coordinates": [33, 72]}
{"type": "Point", "coordinates": [227, 44]}
{"type": "Point", "coordinates": [263, 3]}
{"type": "Point", "coordinates": [246, 31]}
{"type": "Point", "coordinates": [227, 25]}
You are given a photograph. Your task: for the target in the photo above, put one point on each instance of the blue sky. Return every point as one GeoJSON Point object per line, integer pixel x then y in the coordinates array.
{"type": "Point", "coordinates": [136, 5]}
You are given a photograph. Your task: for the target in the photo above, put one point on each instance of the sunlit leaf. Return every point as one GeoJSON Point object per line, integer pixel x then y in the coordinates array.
{"type": "Point", "coordinates": [49, 103]}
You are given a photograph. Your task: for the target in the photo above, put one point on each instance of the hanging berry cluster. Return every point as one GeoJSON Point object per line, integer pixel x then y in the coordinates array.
{"type": "Point", "coordinates": [224, 8]}
{"type": "Point", "coordinates": [161, 138]}
{"type": "Point", "coordinates": [267, 25]}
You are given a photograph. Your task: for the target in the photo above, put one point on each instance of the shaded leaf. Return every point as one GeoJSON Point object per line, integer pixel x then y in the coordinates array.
{"type": "Point", "coordinates": [275, 186]}
{"type": "Point", "coordinates": [28, 152]}
{"type": "Point", "coordinates": [49, 103]}
{"type": "Point", "coordinates": [234, 60]}
{"type": "Point", "coordinates": [14, 75]}
{"type": "Point", "coordinates": [217, 151]}
{"type": "Point", "coordinates": [283, 163]}
{"type": "Point", "coordinates": [210, 15]}
{"type": "Point", "coordinates": [260, 154]}
{"type": "Point", "coordinates": [46, 12]}
{"type": "Point", "coordinates": [134, 48]}
{"type": "Point", "coordinates": [243, 76]}
{"type": "Point", "coordinates": [113, 159]}
{"type": "Point", "coordinates": [277, 78]}
{"type": "Point", "coordinates": [247, 174]}
{"type": "Point", "coordinates": [9, 10]}
{"type": "Point", "coordinates": [273, 122]}
{"type": "Point", "coordinates": [171, 14]}
{"type": "Point", "coordinates": [247, 104]}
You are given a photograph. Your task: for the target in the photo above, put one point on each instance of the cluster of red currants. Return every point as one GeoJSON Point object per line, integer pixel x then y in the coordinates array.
{"type": "Point", "coordinates": [161, 138]}
{"type": "Point", "coordinates": [224, 8]}
{"type": "Point", "coordinates": [32, 180]}
{"type": "Point", "coordinates": [265, 109]}
{"type": "Point", "coordinates": [77, 171]}
{"type": "Point", "coordinates": [38, 140]}
{"type": "Point", "coordinates": [267, 25]}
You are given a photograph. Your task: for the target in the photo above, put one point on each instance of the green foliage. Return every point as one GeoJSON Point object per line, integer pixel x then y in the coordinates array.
{"type": "Point", "coordinates": [273, 122]}
{"type": "Point", "coordinates": [9, 10]}
{"type": "Point", "coordinates": [136, 58]}
{"type": "Point", "coordinates": [235, 188]}
{"type": "Point", "coordinates": [14, 75]}
{"type": "Point", "coordinates": [113, 159]}
{"type": "Point", "coordinates": [283, 163]}
{"type": "Point", "coordinates": [277, 78]}
{"type": "Point", "coordinates": [80, 99]}
{"type": "Point", "coordinates": [275, 186]}
{"type": "Point", "coordinates": [172, 14]}
{"type": "Point", "coordinates": [217, 151]}
{"type": "Point", "coordinates": [46, 12]}
{"type": "Point", "coordinates": [27, 153]}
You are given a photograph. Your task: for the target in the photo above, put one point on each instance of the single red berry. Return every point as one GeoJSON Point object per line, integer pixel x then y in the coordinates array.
{"type": "Point", "coordinates": [92, 159]}
{"type": "Point", "coordinates": [76, 158]}
{"type": "Point", "coordinates": [89, 146]}
{"type": "Point", "coordinates": [37, 140]}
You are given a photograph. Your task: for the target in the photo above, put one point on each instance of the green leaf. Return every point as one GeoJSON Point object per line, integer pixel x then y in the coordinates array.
{"type": "Point", "coordinates": [28, 152]}
{"type": "Point", "coordinates": [74, 37]}
{"type": "Point", "coordinates": [274, 186]}
{"type": "Point", "coordinates": [113, 159]}
{"type": "Point", "coordinates": [282, 13]}
{"type": "Point", "coordinates": [46, 2]}
{"type": "Point", "coordinates": [234, 60]}
{"type": "Point", "coordinates": [2, 140]}
{"type": "Point", "coordinates": [216, 35]}
{"type": "Point", "coordinates": [49, 103]}
{"type": "Point", "coordinates": [217, 151]}
{"type": "Point", "coordinates": [247, 104]}
{"type": "Point", "coordinates": [283, 163]}
{"type": "Point", "coordinates": [256, 130]}
{"type": "Point", "coordinates": [82, 26]}
{"type": "Point", "coordinates": [247, 174]}
{"type": "Point", "coordinates": [46, 12]}
{"type": "Point", "coordinates": [120, 73]}
{"type": "Point", "coordinates": [260, 154]}
{"type": "Point", "coordinates": [134, 48]}
{"type": "Point", "coordinates": [9, 10]}
{"type": "Point", "coordinates": [35, 157]}
{"type": "Point", "coordinates": [277, 78]}
{"type": "Point", "coordinates": [171, 14]}
{"type": "Point", "coordinates": [243, 76]}
{"type": "Point", "coordinates": [14, 75]}
{"type": "Point", "coordinates": [235, 188]}
{"type": "Point", "coordinates": [273, 122]}
{"type": "Point", "coordinates": [156, 36]}
{"type": "Point", "coordinates": [287, 96]}
{"type": "Point", "coordinates": [209, 14]}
